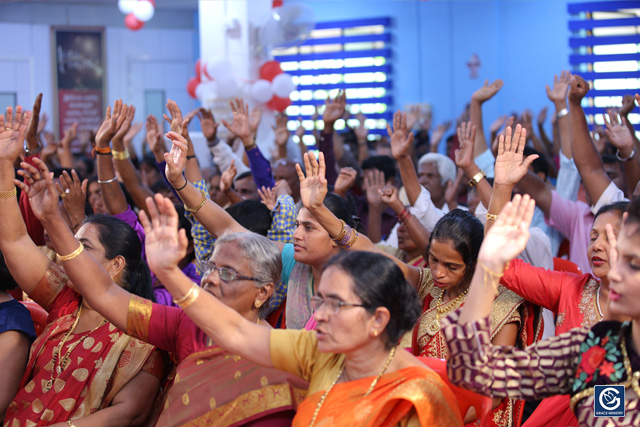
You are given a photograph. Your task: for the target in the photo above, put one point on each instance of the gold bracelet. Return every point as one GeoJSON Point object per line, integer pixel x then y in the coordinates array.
{"type": "Point", "coordinates": [120, 155]}
{"type": "Point", "coordinates": [8, 194]}
{"type": "Point", "coordinates": [491, 217]}
{"type": "Point", "coordinates": [197, 208]}
{"type": "Point", "coordinates": [475, 179]}
{"type": "Point", "coordinates": [189, 298]}
{"type": "Point", "coordinates": [492, 277]}
{"type": "Point", "coordinates": [72, 255]}
{"type": "Point", "coordinates": [71, 424]}
{"type": "Point", "coordinates": [342, 232]}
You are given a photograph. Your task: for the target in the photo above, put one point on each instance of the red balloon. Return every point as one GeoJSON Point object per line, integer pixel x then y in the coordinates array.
{"type": "Point", "coordinates": [192, 85]}
{"type": "Point", "coordinates": [199, 69]}
{"type": "Point", "coordinates": [279, 104]}
{"type": "Point", "coordinates": [270, 70]}
{"type": "Point", "coordinates": [132, 23]}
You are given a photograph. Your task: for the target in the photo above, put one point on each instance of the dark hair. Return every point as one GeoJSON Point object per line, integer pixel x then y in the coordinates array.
{"type": "Point", "coordinates": [617, 207]}
{"type": "Point", "coordinates": [118, 238]}
{"type": "Point", "coordinates": [340, 208]}
{"type": "Point", "coordinates": [183, 222]}
{"type": "Point", "coordinates": [252, 215]}
{"type": "Point", "coordinates": [7, 282]}
{"type": "Point", "coordinates": [633, 211]}
{"type": "Point", "coordinates": [243, 175]}
{"type": "Point", "coordinates": [379, 282]}
{"type": "Point", "coordinates": [540, 164]}
{"type": "Point", "coordinates": [383, 163]}
{"type": "Point", "coordinates": [465, 231]}
{"type": "Point", "coordinates": [609, 159]}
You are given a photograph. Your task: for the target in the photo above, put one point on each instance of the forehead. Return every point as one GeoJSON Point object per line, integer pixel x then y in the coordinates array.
{"type": "Point", "coordinates": [88, 232]}
{"type": "Point", "coordinates": [429, 167]}
{"type": "Point", "coordinates": [629, 240]}
{"type": "Point", "coordinates": [305, 216]}
{"type": "Point", "coordinates": [285, 169]}
{"type": "Point", "coordinates": [337, 283]}
{"type": "Point", "coordinates": [246, 182]}
{"type": "Point", "coordinates": [445, 251]}
{"type": "Point", "coordinates": [607, 218]}
{"type": "Point", "coordinates": [228, 254]}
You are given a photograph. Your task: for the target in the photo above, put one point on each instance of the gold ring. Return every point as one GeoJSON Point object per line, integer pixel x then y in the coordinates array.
{"type": "Point", "coordinates": [62, 195]}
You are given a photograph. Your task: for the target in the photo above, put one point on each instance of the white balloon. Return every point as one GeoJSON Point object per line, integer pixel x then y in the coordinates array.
{"type": "Point", "coordinates": [126, 6]}
{"type": "Point", "coordinates": [218, 68]}
{"type": "Point", "coordinates": [227, 88]}
{"type": "Point", "coordinates": [289, 25]}
{"type": "Point", "coordinates": [143, 10]}
{"type": "Point", "coordinates": [261, 91]}
{"type": "Point", "coordinates": [206, 91]}
{"type": "Point", "coordinates": [283, 85]}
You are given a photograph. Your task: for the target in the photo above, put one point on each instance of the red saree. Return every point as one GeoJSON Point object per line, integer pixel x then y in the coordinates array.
{"type": "Point", "coordinates": [98, 368]}
{"type": "Point", "coordinates": [408, 397]}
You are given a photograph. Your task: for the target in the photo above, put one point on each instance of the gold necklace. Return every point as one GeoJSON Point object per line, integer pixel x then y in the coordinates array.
{"type": "Point", "coordinates": [633, 377]}
{"type": "Point", "coordinates": [371, 387]}
{"type": "Point", "coordinates": [59, 365]}
{"type": "Point", "coordinates": [434, 326]}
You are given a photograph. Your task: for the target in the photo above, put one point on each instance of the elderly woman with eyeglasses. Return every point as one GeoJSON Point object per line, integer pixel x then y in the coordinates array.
{"type": "Point", "coordinates": [362, 308]}
{"type": "Point", "coordinates": [211, 386]}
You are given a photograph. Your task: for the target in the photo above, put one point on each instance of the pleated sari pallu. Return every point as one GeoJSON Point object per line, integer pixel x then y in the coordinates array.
{"type": "Point", "coordinates": [216, 388]}
{"type": "Point", "coordinates": [408, 397]}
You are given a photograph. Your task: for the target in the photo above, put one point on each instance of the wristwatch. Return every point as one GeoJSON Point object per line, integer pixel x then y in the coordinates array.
{"type": "Point", "coordinates": [477, 178]}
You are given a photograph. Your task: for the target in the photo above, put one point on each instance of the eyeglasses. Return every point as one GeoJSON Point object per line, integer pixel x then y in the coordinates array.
{"type": "Point", "coordinates": [226, 274]}
{"type": "Point", "coordinates": [332, 305]}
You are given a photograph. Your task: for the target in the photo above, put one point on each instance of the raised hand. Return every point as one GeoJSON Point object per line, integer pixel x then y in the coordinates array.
{"type": "Point", "coordinates": [268, 197]}
{"type": "Point", "coordinates": [254, 120]}
{"type": "Point", "coordinates": [69, 135]}
{"type": "Point", "coordinates": [34, 125]}
{"type": "Point", "coordinates": [510, 164]}
{"type": "Point", "coordinates": [542, 116]}
{"type": "Point", "coordinates": [227, 177]}
{"type": "Point", "coordinates": [154, 136]}
{"type": "Point", "coordinates": [361, 131]}
{"type": "Point", "coordinates": [401, 140]}
{"type": "Point", "coordinates": [73, 193]}
{"type": "Point", "coordinates": [464, 155]}
{"type": "Point", "coordinates": [373, 183]}
{"type": "Point", "coordinates": [300, 131]}
{"type": "Point", "coordinates": [176, 119]}
{"type": "Point", "coordinates": [38, 186]}
{"type": "Point", "coordinates": [617, 131]}
{"type": "Point", "coordinates": [133, 131]}
{"type": "Point", "coordinates": [389, 195]}
{"type": "Point", "coordinates": [165, 245]}
{"type": "Point", "coordinates": [497, 124]}
{"type": "Point", "coordinates": [437, 134]}
{"type": "Point", "coordinates": [281, 131]}
{"type": "Point", "coordinates": [313, 187]}
{"type": "Point", "coordinates": [344, 182]}
{"type": "Point", "coordinates": [334, 108]}
{"type": "Point", "coordinates": [487, 91]}
{"type": "Point", "coordinates": [176, 159]}
{"type": "Point", "coordinates": [560, 87]}
{"type": "Point", "coordinates": [13, 128]}
{"type": "Point", "coordinates": [578, 90]}
{"type": "Point", "coordinates": [413, 117]}
{"type": "Point", "coordinates": [128, 111]}
{"type": "Point", "coordinates": [508, 237]}
{"type": "Point", "coordinates": [240, 125]}
{"type": "Point", "coordinates": [208, 124]}
{"type": "Point", "coordinates": [627, 105]}
{"type": "Point", "coordinates": [110, 125]}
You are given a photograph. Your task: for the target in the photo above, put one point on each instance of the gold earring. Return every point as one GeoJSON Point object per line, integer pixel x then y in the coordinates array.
{"type": "Point", "coordinates": [257, 304]}
{"type": "Point", "coordinates": [375, 333]}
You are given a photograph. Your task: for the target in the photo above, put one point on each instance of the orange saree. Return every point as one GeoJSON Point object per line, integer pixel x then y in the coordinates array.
{"type": "Point", "coordinates": [408, 397]}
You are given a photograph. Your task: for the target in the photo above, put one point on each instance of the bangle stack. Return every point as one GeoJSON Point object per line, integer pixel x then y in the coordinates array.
{"type": "Point", "coordinates": [347, 236]}
{"type": "Point", "coordinates": [120, 155]}
{"type": "Point", "coordinates": [189, 298]}
{"type": "Point", "coordinates": [404, 215]}
{"type": "Point", "coordinates": [72, 255]}
{"type": "Point", "coordinates": [197, 208]}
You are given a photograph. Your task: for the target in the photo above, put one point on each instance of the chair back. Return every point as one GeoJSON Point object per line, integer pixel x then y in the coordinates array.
{"type": "Point", "coordinates": [38, 315]}
{"type": "Point", "coordinates": [466, 398]}
{"type": "Point", "coordinates": [561, 264]}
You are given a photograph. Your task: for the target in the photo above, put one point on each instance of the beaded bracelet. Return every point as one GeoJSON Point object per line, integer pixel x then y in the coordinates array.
{"type": "Point", "coordinates": [197, 208]}
{"type": "Point", "coordinates": [404, 215]}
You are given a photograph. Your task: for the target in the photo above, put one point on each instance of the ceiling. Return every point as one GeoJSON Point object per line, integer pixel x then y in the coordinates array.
{"type": "Point", "coordinates": [160, 4]}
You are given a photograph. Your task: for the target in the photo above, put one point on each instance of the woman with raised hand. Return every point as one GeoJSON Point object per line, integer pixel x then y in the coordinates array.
{"type": "Point", "coordinates": [81, 370]}
{"type": "Point", "coordinates": [571, 363]}
{"type": "Point", "coordinates": [443, 286]}
{"type": "Point", "coordinates": [362, 307]}
{"type": "Point", "coordinates": [303, 261]}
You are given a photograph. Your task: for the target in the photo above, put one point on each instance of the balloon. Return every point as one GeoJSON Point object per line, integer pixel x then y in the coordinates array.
{"type": "Point", "coordinates": [218, 68]}
{"type": "Point", "coordinates": [126, 6]}
{"type": "Point", "coordinates": [132, 22]}
{"type": "Point", "coordinates": [199, 69]}
{"type": "Point", "coordinates": [278, 104]}
{"type": "Point", "coordinates": [261, 91]}
{"type": "Point", "coordinates": [283, 85]}
{"type": "Point", "coordinates": [288, 26]}
{"type": "Point", "coordinates": [270, 70]}
{"type": "Point", "coordinates": [143, 10]}
{"type": "Point", "coordinates": [227, 88]}
{"type": "Point", "coordinates": [206, 91]}
{"type": "Point", "coordinates": [192, 85]}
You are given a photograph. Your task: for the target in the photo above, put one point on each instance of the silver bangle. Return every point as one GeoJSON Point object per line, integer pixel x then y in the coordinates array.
{"type": "Point", "coordinates": [625, 159]}
{"type": "Point", "coordinates": [560, 114]}
{"type": "Point", "coordinates": [108, 181]}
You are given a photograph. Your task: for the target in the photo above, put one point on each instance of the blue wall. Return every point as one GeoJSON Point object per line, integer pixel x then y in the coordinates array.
{"type": "Point", "coordinates": [523, 42]}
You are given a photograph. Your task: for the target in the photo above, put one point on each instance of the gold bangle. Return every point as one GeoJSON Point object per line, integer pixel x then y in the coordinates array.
{"type": "Point", "coordinates": [491, 217]}
{"type": "Point", "coordinates": [120, 155]}
{"type": "Point", "coordinates": [197, 208]}
{"type": "Point", "coordinates": [189, 298]}
{"type": "Point", "coordinates": [72, 255]}
{"type": "Point", "coordinates": [71, 424]}
{"type": "Point", "coordinates": [8, 194]}
{"type": "Point", "coordinates": [477, 178]}
{"type": "Point", "coordinates": [352, 240]}
{"type": "Point", "coordinates": [342, 232]}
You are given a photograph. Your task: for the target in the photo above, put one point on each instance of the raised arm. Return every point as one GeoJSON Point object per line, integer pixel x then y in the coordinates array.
{"type": "Point", "coordinates": [558, 95]}
{"type": "Point", "coordinates": [334, 110]}
{"type": "Point", "coordinates": [478, 98]}
{"type": "Point", "coordinates": [401, 150]}
{"type": "Point", "coordinates": [623, 139]}
{"type": "Point", "coordinates": [165, 246]}
{"type": "Point", "coordinates": [418, 232]}
{"type": "Point", "coordinates": [465, 161]}
{"type": "Point", "coordinates": [584, 151]}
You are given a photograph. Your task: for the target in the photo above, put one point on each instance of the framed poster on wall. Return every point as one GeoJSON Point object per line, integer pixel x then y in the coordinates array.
{"type": "Point", "coordinates": [79, 80]}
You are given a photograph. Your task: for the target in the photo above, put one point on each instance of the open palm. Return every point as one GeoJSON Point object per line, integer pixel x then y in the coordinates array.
{"type": "Point", "coordinates": [313, 187]}
{"type": "Point", "coordinates": [511, 165]}
{"type": "Point", "coordinates": [38, 186]}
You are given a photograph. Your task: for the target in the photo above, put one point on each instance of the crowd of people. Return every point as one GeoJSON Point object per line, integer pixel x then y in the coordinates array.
{"type": "Point", "coordinates": [321, 287]}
